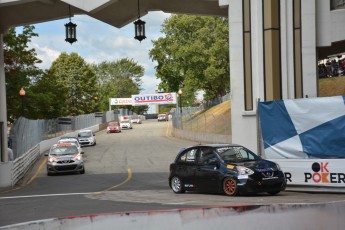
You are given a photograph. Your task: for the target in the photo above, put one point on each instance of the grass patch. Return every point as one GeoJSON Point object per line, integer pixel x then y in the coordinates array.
{"type": "Point", "coordinates": [333, 86]}
{"type": "Point", "coordinates": [217, 119]}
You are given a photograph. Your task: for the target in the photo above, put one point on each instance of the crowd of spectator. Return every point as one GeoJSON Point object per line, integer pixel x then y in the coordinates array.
{"type": "Point", "coordinates": [332, 68]}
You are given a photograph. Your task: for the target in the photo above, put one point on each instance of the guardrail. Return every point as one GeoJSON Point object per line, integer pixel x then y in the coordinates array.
{"type": "Point", "coordinates": [22, 164]}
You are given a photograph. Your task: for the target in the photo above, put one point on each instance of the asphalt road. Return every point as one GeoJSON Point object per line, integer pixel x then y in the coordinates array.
{"type": "Point", "coordinates": [125, 171]}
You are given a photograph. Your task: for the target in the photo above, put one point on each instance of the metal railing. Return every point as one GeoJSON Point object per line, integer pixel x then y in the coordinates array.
{"type": "Point", "coordinates": [22, 164]}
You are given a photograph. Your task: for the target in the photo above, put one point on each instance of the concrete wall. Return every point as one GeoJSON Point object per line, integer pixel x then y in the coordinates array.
{"type": "Point", "coordinates": [330, 24]}
{"type": "Point", "coordinates": [279, 216]}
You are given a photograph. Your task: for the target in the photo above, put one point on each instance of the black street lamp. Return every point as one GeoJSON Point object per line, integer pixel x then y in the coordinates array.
{"type": "Point", "coordinates": [71, 30]}
{"type": "Point", "coordinates": [139, 30]}
{"type": "Point", "coordinates": [22, 94]}
{"type": "Point", "coordinates": [180, 96]}
{"type": "Point", "coordinates": [139, 27]}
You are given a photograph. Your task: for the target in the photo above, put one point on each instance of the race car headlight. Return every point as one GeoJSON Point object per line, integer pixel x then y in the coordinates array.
{"type": "Point", "coordinates": [52, 159]}
{"type": "Point", "coordinates": [244, 171]}
{"type": "Point", "coordinates": [77, 157]}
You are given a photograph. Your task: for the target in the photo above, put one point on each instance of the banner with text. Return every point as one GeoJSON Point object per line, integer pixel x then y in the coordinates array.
{"type": "Point", "coordinates": [120, 101]}
{"type": "Point", "coordinates": [313, 172]}
{"type": "Point", "coordinates": [158, 98]}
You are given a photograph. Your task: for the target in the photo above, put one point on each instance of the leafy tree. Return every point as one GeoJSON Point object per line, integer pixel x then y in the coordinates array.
{"type": "Point", "coordinates": [193, 56]}
{"type": "Point", "coordinates": [73, 83]}
{"type": "Point", "coordinates": [20, 68]}
{"type": "Point", "coordinates": [119, 79]}
{"type": "Point", "coordinates": [46, 98]}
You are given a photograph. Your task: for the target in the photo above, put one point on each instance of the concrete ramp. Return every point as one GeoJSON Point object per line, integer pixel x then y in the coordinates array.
{"type": "Point", "coordinates": [281, 216]}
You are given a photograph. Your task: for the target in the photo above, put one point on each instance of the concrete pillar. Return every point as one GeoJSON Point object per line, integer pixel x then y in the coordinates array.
{"type": "Point", "coordinates": [3, 108]}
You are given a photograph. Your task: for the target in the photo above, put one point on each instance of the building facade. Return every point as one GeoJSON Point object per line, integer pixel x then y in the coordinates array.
{"type": "Point", "coordinates": [275, 46]}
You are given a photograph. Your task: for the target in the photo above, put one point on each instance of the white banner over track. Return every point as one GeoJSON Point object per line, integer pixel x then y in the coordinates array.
{"type": "Point", "coordinates": [158, 98]}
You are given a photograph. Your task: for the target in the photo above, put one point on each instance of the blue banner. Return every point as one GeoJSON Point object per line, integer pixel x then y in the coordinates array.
{"type": "Point", "coordinates": [303, 128]}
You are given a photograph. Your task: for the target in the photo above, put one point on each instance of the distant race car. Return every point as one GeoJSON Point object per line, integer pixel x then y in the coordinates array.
{"type": "Point", "coordinates": [113, 127]}
{"type": "Point", "coordinates": [227, 168]}
{"type": "Point", "coordinates": [126, 124]}
{"type": "Point", "coordinates": [163, 117]}
{"type": "Point", "coordinates": [136, 119]}
{"type": "Point", "coordinates": [71, 140]}
{"type": "Point", "coordinates": [86, 137]}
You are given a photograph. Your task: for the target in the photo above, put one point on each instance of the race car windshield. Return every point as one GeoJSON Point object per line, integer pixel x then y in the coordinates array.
{"type": "Point", "coordinates": [236, 154]}
{"type": "Point", "coordinates": [85, 134]}
{"type": "Point", "coordinates": [68, 150]}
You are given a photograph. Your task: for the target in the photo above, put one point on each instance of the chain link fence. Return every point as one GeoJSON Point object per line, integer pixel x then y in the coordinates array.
{"type": "Point", "coordinates": [216, 124]}
{"type": "Point", "coordinates": [26, 133]}
{"type": "Point", "coordinates": [194, 121]}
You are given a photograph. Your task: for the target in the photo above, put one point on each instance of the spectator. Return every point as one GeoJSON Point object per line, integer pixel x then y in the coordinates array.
{"type": "Point", "coordinates": [10, 154]}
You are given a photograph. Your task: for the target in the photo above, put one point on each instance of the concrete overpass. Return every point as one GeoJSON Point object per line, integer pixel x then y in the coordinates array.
{"type": "Point", "coordinates": [274, 44]}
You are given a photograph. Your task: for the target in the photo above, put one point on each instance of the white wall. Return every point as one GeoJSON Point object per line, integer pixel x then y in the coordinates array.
{"type": "Point", "coordinates": [330, 24]}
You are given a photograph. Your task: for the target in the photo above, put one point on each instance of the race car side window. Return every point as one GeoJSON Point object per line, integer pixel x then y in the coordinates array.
{"type": "Point", "coordinates": [206, 156]}
{"type": "Point", "coordinates": [189, 156]}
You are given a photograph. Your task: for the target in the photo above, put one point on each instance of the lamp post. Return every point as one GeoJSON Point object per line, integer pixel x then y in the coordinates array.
{"type": "Point", "coordinates": [180, 96]}
{"type": "Point", "coordinates": [22, 94]}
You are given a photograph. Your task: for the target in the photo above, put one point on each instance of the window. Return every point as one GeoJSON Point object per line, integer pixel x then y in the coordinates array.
{"type": "Point", "coordinates": [189, 156]}
{"type": "Point", "coordinates": [206, 156]}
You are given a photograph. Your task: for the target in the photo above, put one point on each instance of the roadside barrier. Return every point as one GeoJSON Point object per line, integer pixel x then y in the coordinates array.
{"type": "Point", "coordinates": [23, 163]}
{"type": "Point", "coordinates": [278, 216]}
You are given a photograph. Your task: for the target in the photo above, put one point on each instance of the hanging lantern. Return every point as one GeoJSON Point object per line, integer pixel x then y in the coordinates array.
{"type": "Point", "coordinates": [71, 32]}
{"type": "Point", "coordinates": [71, 29]}
{"type": "Point", "coordinates": [139, 27]}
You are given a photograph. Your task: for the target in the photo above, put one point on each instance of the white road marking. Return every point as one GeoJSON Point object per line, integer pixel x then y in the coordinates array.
{"type": "Point", "coordinates": [47, 195]}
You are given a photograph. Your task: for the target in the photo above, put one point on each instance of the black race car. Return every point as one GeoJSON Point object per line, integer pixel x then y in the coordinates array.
{"type": "Point", "coordinates": [231, 169]}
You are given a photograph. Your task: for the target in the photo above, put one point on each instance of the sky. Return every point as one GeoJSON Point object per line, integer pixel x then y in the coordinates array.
{"type": "Point", "coordinates": [98, 42]}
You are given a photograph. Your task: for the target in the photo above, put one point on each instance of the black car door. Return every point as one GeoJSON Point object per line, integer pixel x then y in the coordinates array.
{"type": "Point", "coordinates": [208, 175]}
{"type": "Point", "coordinates": [186, 165]}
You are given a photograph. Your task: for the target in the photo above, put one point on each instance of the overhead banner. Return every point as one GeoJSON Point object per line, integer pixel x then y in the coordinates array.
{"type": "Point", "coordinates": [303, 128]}
{"type": "Point", "coordinates": [158, 98]}
{"type": "Point", "coordinates": [120, 101]}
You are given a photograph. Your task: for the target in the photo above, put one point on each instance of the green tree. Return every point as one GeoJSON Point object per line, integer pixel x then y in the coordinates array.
{"type": "Point", "coordinates": [73, 83]}
{"type": "Point", "coordinates": [193, 56]}
{"type": "Point", "coordinates": [46, 98]}
{"type": "Point", "coordinates": [20, 69]}
{"type": "Point", "coordinates": [119, 79]}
